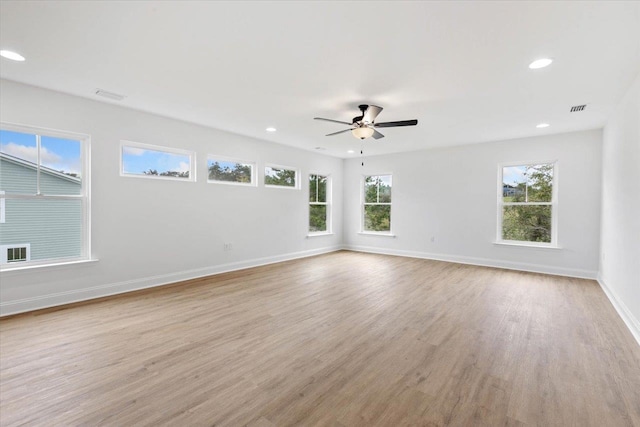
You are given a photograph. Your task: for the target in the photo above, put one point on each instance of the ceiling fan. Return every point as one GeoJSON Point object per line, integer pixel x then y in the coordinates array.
{"type": "Point", "coordinates": [364, 126]}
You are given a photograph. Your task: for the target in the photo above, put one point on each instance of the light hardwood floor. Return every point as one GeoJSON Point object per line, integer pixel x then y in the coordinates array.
{"type": "Point", "coordinates": [344, 339]}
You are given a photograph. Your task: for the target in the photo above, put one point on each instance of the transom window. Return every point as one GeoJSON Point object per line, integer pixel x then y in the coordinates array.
{"type": "Point", "coordinates": [43, 196]}
{"type": "Point", "coordinates": [150, 161]}
{"type": "Point", "coordinates": [376, 207]}
{"type": "Point", "coordinates": [228, 171]}
{"type": "Point", "coordinates": [319, 204]}
{"type": "Point", "coordinates": [527, 204]}
{"type": "Point", "coordinates": [281, 176]}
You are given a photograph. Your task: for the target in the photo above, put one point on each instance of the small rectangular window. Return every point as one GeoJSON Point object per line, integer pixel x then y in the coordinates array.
{"type": "Point", "coordinates": [319, 204]}
{"type": "Point", "coordinates": [150, 161]}
{"type": "Point", "coordinates": [229, 171]}
{"type": "Point", "coordinates": [15, 253]}
{"type": "Point", "coordinates": [376, 207]}
{"type": "Point", "coordinates": [281, 176]}
{"type": "Point", "coordinates": [527, 204]}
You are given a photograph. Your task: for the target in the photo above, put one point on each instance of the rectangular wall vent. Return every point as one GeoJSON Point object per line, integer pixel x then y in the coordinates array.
{"type": "Point", "coordinates": [110, 95]}
{"type": "Point", "coordinates": [577, 108]}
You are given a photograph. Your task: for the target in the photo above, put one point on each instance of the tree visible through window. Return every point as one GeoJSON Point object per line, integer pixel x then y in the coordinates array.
{"type": "Point", "coordinates": [377, 203]}
{"type": "Point", "coordinates": [280, 177]}
{"type": "Point", "coordinates": [230, 171]}
{"type": "Point", "coordinates": [318, 204]}
{"type": "Point", "coordinates": [527, 203]}
{"type": "Point", "coordinates": [156, 162]}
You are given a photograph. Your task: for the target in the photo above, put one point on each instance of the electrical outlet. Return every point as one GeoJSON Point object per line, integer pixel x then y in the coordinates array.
{"type": "Point", "coordinates": [228, 246]}
{"type": "Point", "coordinates": [433, 239]}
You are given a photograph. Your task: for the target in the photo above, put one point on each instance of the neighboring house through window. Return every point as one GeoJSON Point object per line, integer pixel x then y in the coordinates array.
{"type": "Point", "coordinates": [43, 175]}
{"type": "Point", "coordinates": [527, 204]}
{"type": "Point", "coordinates": [376, 206]}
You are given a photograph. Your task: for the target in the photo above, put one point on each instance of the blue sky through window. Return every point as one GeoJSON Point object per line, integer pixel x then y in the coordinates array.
{"type": "Point", "coordinates": [56, 153]}
{"type": "Point", "coordinates": [138, 160]}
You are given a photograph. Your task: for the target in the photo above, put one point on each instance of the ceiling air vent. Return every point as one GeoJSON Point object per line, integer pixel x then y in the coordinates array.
{"type": "Point", "coordinates": [577, 108]}
{"type": "Point", "coordinates": [110, 95]}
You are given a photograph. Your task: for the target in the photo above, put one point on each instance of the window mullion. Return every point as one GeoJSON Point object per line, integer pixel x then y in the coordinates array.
{"type": "Point", "coordinates": [38, 144]}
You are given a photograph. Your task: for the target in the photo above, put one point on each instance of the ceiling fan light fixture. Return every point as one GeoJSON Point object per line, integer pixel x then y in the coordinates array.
{"type": "Point", "coordinates": [362, 132]}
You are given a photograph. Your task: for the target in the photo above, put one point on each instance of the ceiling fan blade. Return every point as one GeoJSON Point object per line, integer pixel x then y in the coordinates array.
{"type": "Point", "coordinates": [371, 113]}
{"type": "Point", "coordinates": [336, 133]}
{"type": "Point", "coordinates": [396, 124]}
{"type": "Point", "coordinates": [377, 135]}
{"type": "Point", "coordinates": [334, 121]}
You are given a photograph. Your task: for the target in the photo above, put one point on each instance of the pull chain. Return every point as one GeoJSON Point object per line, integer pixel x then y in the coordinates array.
{"type": "Point", "coordinates": [362, 153]}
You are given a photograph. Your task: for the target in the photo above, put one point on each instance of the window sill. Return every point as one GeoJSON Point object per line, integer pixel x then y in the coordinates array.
{"type": "Point", "coordinates": [527, 245]}
{"type": "Point", "coordinates": [319, 234]}
{"type": "Point", "coordinates": [372, 233]}
{"type": "Point", "coordinates": [11, 268]}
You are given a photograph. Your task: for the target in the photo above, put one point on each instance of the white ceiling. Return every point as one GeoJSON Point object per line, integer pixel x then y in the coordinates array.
{"type": "Point", "coordinates": [460, 68]}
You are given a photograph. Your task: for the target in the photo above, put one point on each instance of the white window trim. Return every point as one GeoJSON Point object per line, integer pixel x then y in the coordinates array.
{"type": "Point", "coordinates": [328, 203]}
{"type": "Point", "coordinates": [170, 150]}
{"type": "Point", "coordinates": [362, 205]}
{"type": "Point", "coordinates": [2, 208]}
{"type": "Point", "coordinates": [3, 253]}
{"type": "Point", "coordinates": [274, 166]}
{"type": "Point", "coordinates": [554, 207]}
{"type": "Point", "coordinates": [254, 171]}
{"type": "Point", "coordinates": [84, 196]}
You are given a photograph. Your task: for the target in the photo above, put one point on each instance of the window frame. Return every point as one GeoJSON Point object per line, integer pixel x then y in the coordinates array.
{"type": "Point", "coordinates": [84, 196]}
{"type": "Point", "coordinates": [254, 171]}
{"type": "Point", "coordinates": [363, 203]}
{"type": "Point", "coordinates": [297, 185]}
{"type": "Point", "coordinates": [553, 203]}
{"type": "Point", "coordinates": [328, 203]}
{"type": "Point", "coordinates": [151, 147]}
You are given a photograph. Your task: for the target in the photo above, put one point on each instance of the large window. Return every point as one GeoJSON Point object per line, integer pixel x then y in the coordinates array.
{"type": "Point", "coordinates": [319, 204]}
{"type": "Point", "coordinates": [229, 171]}
{"type": "Point", "coordinates": [527, 204]}
{"type": "Point", "coordinates": [150, 161]}
{"type": "Point", "coordinates": [376, 208]}
{"type": "Point", "coordinates": [281, 176]}
{"type": "Point", "coordinates": [43, 195]}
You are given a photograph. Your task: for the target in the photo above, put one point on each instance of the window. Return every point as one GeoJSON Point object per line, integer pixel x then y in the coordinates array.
{"type": "Point", "coordinates": [15, 253]}
{"type": "Point", "coordinates": [376, 207]}
{"type": "Point", "coordinates": [228, 171]}
{"type": "Point", "coordinates": [527, 204]}
{"type": "Point", "coordinates": [319, 201]}
{"type": "Point", "coordinates": [280, 176]}
{"type": "Point", "coordinates": [44, 196]}
{"type": "Point", "coordinates": [150, 161]}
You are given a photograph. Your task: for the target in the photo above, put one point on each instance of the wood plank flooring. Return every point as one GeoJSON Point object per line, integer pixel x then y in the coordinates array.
{"type": "Point", "coordinates": [343, 339]}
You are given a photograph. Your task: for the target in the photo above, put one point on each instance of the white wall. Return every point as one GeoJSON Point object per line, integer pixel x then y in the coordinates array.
{"type": "Point", "coordinates": [147, 232]}
{"type": "Point", "coordinates": [620, 234]}
{"type": "Point", "coordinates": [451, 194]}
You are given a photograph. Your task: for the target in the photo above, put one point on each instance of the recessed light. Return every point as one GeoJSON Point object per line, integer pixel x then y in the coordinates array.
{"type": "Point", "coordinates": [11, 55]}
{"type": "Point", "coordinates": [542, 125]}
{"type": "Point", "coordinates": [350, 151]}
{"type": "Point", "coordinates": [540, 63]}
{"type": "Point", "coordinates": [270, 129]}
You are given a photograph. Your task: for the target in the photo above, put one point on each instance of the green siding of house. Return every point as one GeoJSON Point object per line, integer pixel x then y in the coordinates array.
{"type": "Point", "coordinates": [52, 227]}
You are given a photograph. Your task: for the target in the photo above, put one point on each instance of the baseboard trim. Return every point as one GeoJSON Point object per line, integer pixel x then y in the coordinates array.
{"type": "Point", "coordinates": [9, 308]}
{"type": "Point", "coordinates": [484, 262]}
{"type": "Point", "coordinates": [623, 311]}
